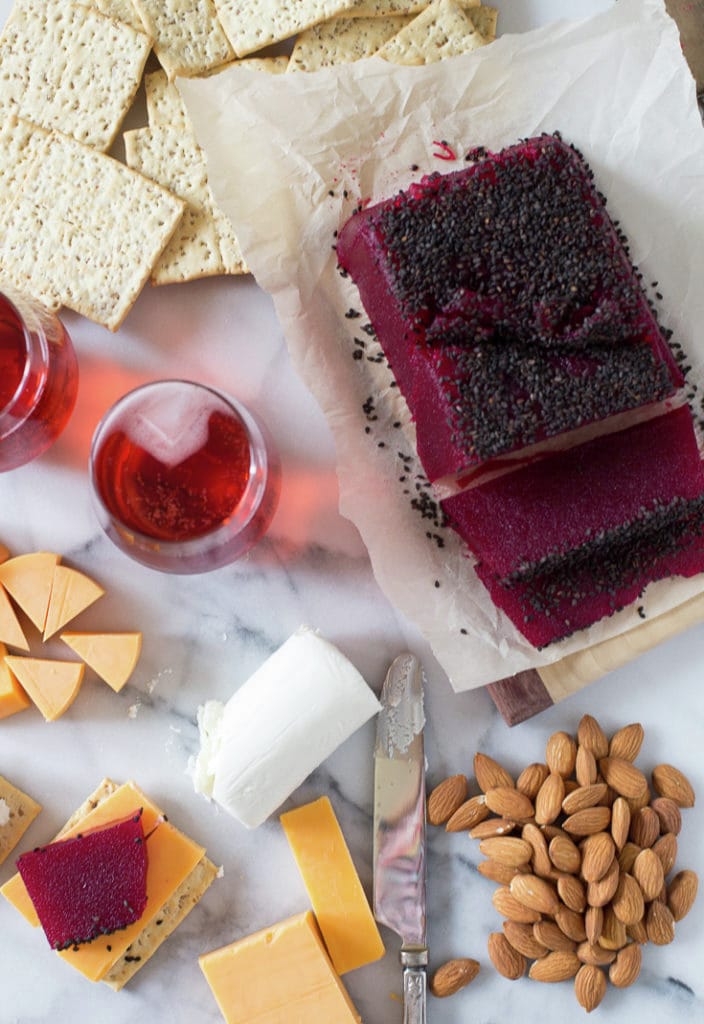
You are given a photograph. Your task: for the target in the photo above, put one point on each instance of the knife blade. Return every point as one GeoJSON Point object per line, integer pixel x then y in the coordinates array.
{"type": "Point", "coordinates": [399, 825]}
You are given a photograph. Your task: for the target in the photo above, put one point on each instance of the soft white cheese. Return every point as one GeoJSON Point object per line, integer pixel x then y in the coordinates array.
{"type": "Point", "coordinates": [296, 709]}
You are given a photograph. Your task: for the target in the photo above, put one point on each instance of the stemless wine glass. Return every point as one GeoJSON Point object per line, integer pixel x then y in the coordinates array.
{"type": "Point", "coordinates": [184, 478]}
{"type": "Point", "coordinates": [38, 379]}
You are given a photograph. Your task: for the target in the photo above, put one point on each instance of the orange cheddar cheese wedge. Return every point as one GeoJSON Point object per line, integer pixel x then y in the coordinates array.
{"type": "Point", "coordinates": [52, 685]}
{"type": "Point", "coordinates": [171, 856]}
{"type": "Point", "coordinates": [339, 902]}
{"type": "Point", "coordinates": [12, 696]}
{"type": "Point", "coordinates": [10, 630]}
{"type": "Point", "coordinates": [28, 579]}
{"type": "Point", "coordinates": [278, 975]}
{"type": "Point", "coordinates": [4, 553]}
{"type": "Point", "coordinates": [112, 656]}
{"type": "Point", "coordinates": [71, 592]}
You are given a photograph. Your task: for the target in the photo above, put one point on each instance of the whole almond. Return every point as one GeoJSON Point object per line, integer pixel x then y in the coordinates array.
{"type": "Point", "coordinates": [522, 939]}
{"type": "Point", "coordinates": [626, 967]}
{"type": "Point", "coordinates": [613, 932]}
{"type": "Point", "coordinates": [660, 923]}
{"type": "Point", "coordinates": [548, 802]}
{"type": "Point", "coordinates": [628, 901]}
{"type": "Point", "coordinates": [540, 861]}
{"type": "Point", "coordinates": [602, 892]}
{"type": "Point", "coordinates": [598, 852]}
{"type": "Point", "coordinates": [564, 854]}
{"type": "Point", "coordinates": [508, 802]}
{"type": "Point", "coordinates": [637, 932]}
{"type": "Point", "coordinates": [648, 873]}
{"type": "Point", "coordinates": [623, 777]}
{"type": "Point", "coordinates": [670, 782]}
{"type": "Point", "coordinates": [592, 736]}
{"type": "Point", "coordinates": [588, 821]}
{"type": "Point", "coordinates": [509, 907]}
{"type": "Point", "coordinates": [561, 753]}
{"type": "Point", "coordinates": [557, 966]}
{"type": "Point", "coordinates": [507, 960]}
{"type": "Point", "coordinates": [681, 894]}
{"type": "Point", "coordinates": [446, 798]}
{"type": "Point", "coordinates": [585, 768]}
{"type": "Point", "coordinates": [627, 856]}
{"type": "Point", "coordinates": [468, 814]}
{"type": "Point", "coordinates": [492, 827]}
{"type": "Point", "coordinates": [489, 773]}
{"type": "Point", "coordinates": [571, 891]}
{"type": "Point", "coordinates": [645, 827]}
{"type": "Point", "coordinates": [531, 779]}
{"type": "Point", "coordinates": [620, 822]}
{"type": "Point", "coordinates": [584, 796]}
{"type": "Point", "coordinates": [453, 975]}
{"type": "Point", "coordinates": [552, 936]}
{"type": "Point", "coordinates": [495, 872]}
{"type": "Point", "coordinates": [593, 953]}
{"type": "Point", "coordinates": [535, 893]}
{"type": "Point", "coordinates": [571, 923]}
{"type": "Point", "coordinates": [626, 743]}
{"type": "Point", "coordinates": [593, 923]}
{"type": "Point", "coordinates": [669, 814]}
{"type": "Point", "coordinates": [589, 986]}
{"type": "Point", "coordinates": [642, 800]}
{"type": "Point", "coordinates": [666, 849]}
{"type": "Point", "coordinates": [509, 850]}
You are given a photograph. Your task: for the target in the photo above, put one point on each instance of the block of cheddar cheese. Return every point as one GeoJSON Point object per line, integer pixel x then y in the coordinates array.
{"type": "Point", "coordinates": [339, 902]}
{"type": "Point", "coordinates": [12, 697]}
{"type": "Point", "coordinates": [112, 656]}
{"type": "Point", "coordinates": [10, 630]}
{"type": "Point", "coordinates": [29, 579]}
{"type": "Point", "coordinates": [52, 685]}
{"type": "Point", "coordinates": [278, 975]}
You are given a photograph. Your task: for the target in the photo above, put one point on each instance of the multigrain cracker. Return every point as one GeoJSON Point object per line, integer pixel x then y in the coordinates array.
{"type": "Point", "coordinates": [343, 40]}
{"type": "Point", "coordinates": [442, 30]}
{"type": "Point", "coordinates": [85, 229]}
{"type": "Point", "coordinates": [17, 812]}
{"type": "Point", "coordinates": [66, 66]}
{"type": "Point", "coordinates": [385, 8]}
{"type": "Point", "coordinates": [188, 37]}
{"type": "Point", "coordinates": [120, 10]}
{"type": "Point", "coordinates": [173, 158]}
{"type": "Point", "coordinates": [258, 23]}
{"type": "Point", "coordinates": [164, 103]}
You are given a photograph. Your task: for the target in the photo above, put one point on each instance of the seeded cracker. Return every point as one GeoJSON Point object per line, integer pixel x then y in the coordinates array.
{"type": "Point", "coordinates": [343, 40]}
{"type": "Point", "coordinates": [386, 8]}
{"type": "Point", "coordinates": [68, 67]}
{"type": "Point", "coordinates": [188, 37]}
{"type": "Point", "coordinates": [120, 10]}
{"type": "Point", "coordinates": [443, 30]}
{"type": "Point", "coordinates": [164, 103]}
{"type": "Point", "coordinates": [17, 812]}
{"type": "Point", "coordinates": [86, 229]}
{"type": "Point", "coordinates": [251, 25]}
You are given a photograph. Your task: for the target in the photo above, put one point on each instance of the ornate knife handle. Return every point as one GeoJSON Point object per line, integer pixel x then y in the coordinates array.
{"type": "Point", "coordinates": [414, 985]}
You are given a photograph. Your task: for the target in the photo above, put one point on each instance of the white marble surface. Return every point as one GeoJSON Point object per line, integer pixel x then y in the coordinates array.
{"type": "Point", "coordinates": [204, 635]}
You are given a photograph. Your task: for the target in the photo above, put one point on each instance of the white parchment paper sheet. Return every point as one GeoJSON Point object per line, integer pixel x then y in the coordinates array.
{"type": "Point", "coordinates": [290, 156]}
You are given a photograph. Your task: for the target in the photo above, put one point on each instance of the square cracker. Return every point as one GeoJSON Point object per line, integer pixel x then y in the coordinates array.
{"type": "Point", "coordinates": [443, 30]}
{"type": "Point", "coordinates": [120, 10]}
{"type": "Point", "coordinates": [188, 37]}
{"type": "Point", "coordinates": [254, 24]}
{"type": "Point", "coordinates": [343, 40]}
{"type": "Point", "coordinates": [86, 230]}
{"type": "Point", "coordinates": [17, 812]}
{"type": "Point", "coordinates": [66, 66]}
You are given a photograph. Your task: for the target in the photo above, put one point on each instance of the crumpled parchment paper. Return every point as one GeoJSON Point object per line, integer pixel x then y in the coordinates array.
{"type": "Point", "coordinates": [290, 156]}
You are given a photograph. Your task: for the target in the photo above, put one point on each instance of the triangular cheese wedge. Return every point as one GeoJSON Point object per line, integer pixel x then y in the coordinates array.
{"type": "Point", "coordinates": [10, 629]}
{"type": "Point", "coordinates": [4, 553]}
{"type": "Point", "coordinates": [52, 685]}
{"type": "Point", "coordinates": [12, 696]}
{"type": "Point", "coordinates": [112, 656]}
{"type": "Point", "coordinates": [28, 579]}
{"type": "Point", "coordinates": [71, 593]}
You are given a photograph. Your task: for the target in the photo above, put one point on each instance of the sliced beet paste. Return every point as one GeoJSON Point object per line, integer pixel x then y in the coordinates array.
{"type": "Point", "coordinates": [90, 885]}
{"type": "Point", "coordinates": [507, 306]}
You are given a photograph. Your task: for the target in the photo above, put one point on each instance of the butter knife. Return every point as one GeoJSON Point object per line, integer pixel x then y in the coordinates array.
{"type": "Point", "coordinates": [399, 826]}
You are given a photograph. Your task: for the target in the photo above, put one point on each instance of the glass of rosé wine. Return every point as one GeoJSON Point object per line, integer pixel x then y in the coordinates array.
{"type": "Point", "coordinates": [184, 478]}
{"type": "Point", "coordinates": [38, 379]}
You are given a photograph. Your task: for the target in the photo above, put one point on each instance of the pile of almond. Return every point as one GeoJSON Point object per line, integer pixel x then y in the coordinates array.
{"type": "Point", "coordinates": [583, 851]}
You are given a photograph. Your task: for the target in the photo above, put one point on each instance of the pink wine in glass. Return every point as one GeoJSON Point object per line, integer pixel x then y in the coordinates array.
{"type": "Point", "coordinates": [184, 478]}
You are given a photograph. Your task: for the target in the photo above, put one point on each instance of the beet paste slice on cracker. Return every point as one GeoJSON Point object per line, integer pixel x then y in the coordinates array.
{"type": "Point", "coordinates": [90, 885]}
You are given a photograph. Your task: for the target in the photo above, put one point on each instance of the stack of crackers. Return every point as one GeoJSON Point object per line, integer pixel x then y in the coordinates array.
{"type": "Point", "coordinates": [86, 230]}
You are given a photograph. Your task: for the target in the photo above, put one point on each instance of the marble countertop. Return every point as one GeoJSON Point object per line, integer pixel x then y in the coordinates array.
{"type": "Point", "coordinates": [204, 635]}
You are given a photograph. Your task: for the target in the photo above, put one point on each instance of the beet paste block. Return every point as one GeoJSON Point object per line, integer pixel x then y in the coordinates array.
{"type": "Point", "coordinates": [90, 885]}
{"type": "Point", "coordinates": [508, 309]}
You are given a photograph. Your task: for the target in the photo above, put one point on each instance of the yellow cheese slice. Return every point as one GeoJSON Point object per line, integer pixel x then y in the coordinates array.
{"type": "Point", "coordinates": [171, 856]}
{"type": "Point", "coordinates": [278, 975]}
{"type": "Point", "coordinates": [52, 685]}
{"type": "Point", "coordinates": [112, 656]}
{"type": "Point", "coordinates": [340, 904]}
{"type": "Point", "coordinates": [12, 696]}
{"type": "Point", "coordinates": [28, 579]}
{"type": "Point", "coordinates": [10, 629]}
{"type": "Point", "coordinates": [71, 592]}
